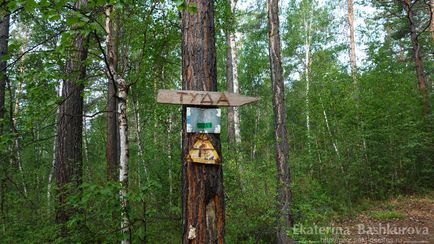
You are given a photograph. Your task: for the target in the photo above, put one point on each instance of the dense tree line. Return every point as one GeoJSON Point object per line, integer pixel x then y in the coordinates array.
{"type": "Point", "coordinates": [87, 155]}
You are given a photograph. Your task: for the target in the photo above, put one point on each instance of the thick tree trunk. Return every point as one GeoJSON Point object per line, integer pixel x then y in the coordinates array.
{"type": "Point", "coordinates": [202, 199]}
{"type": "Point", "coordinates": [284, 218]}
{"type": "Point", "coordinates": [112, 146]}
{"type": "Point", "coordinates": [353, 59]}
{"type": "Point", "coordinates": [122, 96]}
{"type": "Point", "coordinates": [4, 40]}
{"type": "Point", "coordinates": [69, 161]}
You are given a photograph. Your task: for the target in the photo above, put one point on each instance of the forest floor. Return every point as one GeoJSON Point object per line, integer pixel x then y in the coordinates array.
{"type": "Point", "coordinates": [408, 219]}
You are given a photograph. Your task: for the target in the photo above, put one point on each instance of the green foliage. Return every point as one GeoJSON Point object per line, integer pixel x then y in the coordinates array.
{"type": "Point", "coordinates": [372, 142]}
{"type": "Point", "coordinates": [387, 215]}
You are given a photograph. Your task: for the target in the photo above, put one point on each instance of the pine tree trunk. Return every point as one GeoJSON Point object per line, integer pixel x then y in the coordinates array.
{"type": "Point", "coordinates": [4, 40]}
{"type": "Point", "coordinates": [353, 59]}
{"type": "Point", "coordinates": [69, 161]}
{"type": "Point", "coordinates": [202, 185]}
{"type": "Point", "coordinates": [284, 218]}
{"type": "Point", "coordinates": [422, 84]}
{"type": "Point", "coordinates": [122, 96]}
{"type": "Point", "coordinates": [112, 146]}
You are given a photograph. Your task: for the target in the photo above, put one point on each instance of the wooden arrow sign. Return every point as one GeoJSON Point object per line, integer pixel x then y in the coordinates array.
{"type": "Point", "coordinates": [203, 98]}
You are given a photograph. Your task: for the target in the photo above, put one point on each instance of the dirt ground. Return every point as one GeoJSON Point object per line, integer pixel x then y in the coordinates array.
{"type": "Point", "coordinates": [404, 220]}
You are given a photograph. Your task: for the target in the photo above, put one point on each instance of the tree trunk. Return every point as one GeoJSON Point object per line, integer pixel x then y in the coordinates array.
{"type": "Point", "coordinates": [138, 132]}
{"type": "Point", "coordinates": [112, 146]}
{"type": "Point", "coordinates": [284, 218]}
{"type": "Point", "coordinates": [432, 19]}
{"type": "Point", "coordinates": [307, 62]}
{"type": "Point", "coordinates": [69, 161]}
{"type": "Point", "coordinates": [4, 39]}
{"type": "Point", "coordinates": [202, 199]}
{"type": "Point", "coordinates": [53, 162]}
{"type": "Point", "coordinates": [422, 85]}
{"type": "Point", "coordinates": [353, 59]}
{"type": "Point", "coordinates": [122, 95]}
{"type": "Point", "coordinates": [16, 159]}
{"type": "Point", "coordinates": [232, 79]}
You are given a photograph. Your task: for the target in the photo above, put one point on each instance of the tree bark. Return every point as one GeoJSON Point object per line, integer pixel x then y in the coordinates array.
{"type": "Point", "coordinates": [112, 146]}
{"type": "Point", "coordinates": [284, 218]}
{"type": "Point", "coordinates": [353, 59]}
{"type": "Point", "coordinates": [122, 96]}
{"type": "Point", "coordinates": [307, 62]}
{"type": "Point", "coordinates": [234, 135]}
{"type": "Point", "coordinates": [4, 40]}
{"type": "Point", "coordinates": [202, 199]}
{"type": "Point", "coordinates": [432, 19]}
{"type": "Point", "coordinates": [53, 162]}
{"type": "Point", "coordinates": [69, 160]}
{"type": "Point", "coordinates": [422, 84]}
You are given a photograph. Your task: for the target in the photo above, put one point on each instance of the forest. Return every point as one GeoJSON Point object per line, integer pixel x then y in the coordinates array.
{"type": "Point", "coordinates": [344, 119]}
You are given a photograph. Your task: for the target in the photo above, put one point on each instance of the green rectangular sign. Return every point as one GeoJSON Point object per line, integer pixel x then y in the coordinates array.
{"type": "Point", "coordinates": [204, 125]}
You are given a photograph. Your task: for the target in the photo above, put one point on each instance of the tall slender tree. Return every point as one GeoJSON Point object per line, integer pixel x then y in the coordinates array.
{"type": "Point", "coordinates": [432, 18]}
{"type": "Point", "coordinates": [202, 185]}
{"type": "Point", "coordinates": [121, 89]}
{"type": "Point", "coordinates": [69, 161]}
{"type": "Point", "coordinates": [352, 35]}
{"type": "Point", "coordinates": [4, 41]}
{"type": "Point", "coordinates": [232, 76]}
{"type": "Point", "coordinates": [414, 36]}
{"type": "Point", "coordinates": [284, 218]}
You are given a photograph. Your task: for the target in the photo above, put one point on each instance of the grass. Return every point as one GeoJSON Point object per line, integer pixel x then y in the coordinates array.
{"type": "Point", "coordinates": [387, 215]}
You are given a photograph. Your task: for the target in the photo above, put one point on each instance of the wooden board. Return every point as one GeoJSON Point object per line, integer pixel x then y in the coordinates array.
{"type": "Point", "coordinates": [204, 98]}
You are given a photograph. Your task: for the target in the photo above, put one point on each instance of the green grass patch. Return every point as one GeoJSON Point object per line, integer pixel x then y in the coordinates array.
{"type": "Point", "coordinates": [387, 215]}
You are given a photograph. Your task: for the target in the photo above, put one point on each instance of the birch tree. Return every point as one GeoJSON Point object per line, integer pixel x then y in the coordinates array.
{"type": "Point", "coordinates": [232, 76]}
{"type": "Point", "coordinates": [122, 96]}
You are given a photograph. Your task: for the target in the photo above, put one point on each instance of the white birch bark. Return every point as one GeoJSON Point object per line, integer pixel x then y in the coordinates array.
{"type": "Point", "coordinates": [326, 120]}
{"type": "Point", "coordinates": [307, 61]}
{"type": "Point", "coordinates": [122, 95]}
{"type": "Point", "coordinates": [53, 161]}
{"type": "Point", "coordinates": [123, 139]}
{"type": "Point", "coordinates": [233, 81]}
{"type": "Point", "coordinates": [138, 132]}
{"type": "Point", "coordinates": [169, 156]}
{"type": "Point", "coordinates": [17, 159]}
